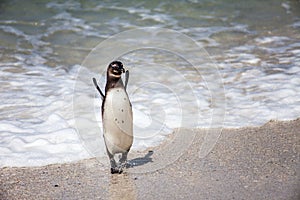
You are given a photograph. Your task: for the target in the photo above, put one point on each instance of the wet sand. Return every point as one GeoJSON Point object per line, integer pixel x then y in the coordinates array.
{"type": "Point", "coordinates": [246, 163]}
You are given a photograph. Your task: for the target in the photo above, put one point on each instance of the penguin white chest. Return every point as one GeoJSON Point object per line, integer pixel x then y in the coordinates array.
{"type": "Point", "coordinates": [117, 121]}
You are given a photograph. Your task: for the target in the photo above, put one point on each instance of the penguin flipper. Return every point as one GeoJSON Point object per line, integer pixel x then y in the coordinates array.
{"type": "Point", "coordinates": [98, 88]}
{"type": "Point", "coordinates": [126, 78]}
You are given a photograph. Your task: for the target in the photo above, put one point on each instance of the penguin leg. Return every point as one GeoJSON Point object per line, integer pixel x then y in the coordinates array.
{"type": "Point", "coordinates": [123, 159]}
{"type": "Point", "coordinates": [113, 165]}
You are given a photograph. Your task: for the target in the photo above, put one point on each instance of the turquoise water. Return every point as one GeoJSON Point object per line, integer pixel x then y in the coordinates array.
{"type": "Point", "coordinates": [44, 44]}
{"type": "Point", "coordinates": [58, 29]}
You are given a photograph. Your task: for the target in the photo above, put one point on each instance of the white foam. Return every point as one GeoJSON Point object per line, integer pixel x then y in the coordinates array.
{"type": "Point", "coordinates": [38, 126]}
{"type": "Point", "coordinates": [287, 7]}
{"type": "Point", "coordinates": [272, 39]}
{"type": "Point", "coordinates": [296, 24]}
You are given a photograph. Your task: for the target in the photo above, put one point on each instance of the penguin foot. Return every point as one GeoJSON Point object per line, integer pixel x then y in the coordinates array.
{"type": "Point", "coordinates": [116, 170]}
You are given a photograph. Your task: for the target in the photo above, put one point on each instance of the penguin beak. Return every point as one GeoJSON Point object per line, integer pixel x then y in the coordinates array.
{"type": "Point", "coordinates": [121, 70]}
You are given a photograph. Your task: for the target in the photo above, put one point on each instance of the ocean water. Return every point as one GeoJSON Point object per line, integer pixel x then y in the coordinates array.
{"type": "Point", "coordinates": [193, 64]}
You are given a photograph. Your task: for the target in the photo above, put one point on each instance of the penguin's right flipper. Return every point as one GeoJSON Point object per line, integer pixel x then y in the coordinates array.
{"type": "Point", "coordinates": [98, 88]}
{"type": "Point", "coordinates": [126, 78]}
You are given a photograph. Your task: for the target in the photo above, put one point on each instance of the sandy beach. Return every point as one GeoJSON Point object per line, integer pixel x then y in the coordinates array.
{"type": "Point", "coordinates": [246, 163]}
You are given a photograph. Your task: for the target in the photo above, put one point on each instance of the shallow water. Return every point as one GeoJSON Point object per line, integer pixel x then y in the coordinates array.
{"type": "Point", "coordinates": [50, 111]}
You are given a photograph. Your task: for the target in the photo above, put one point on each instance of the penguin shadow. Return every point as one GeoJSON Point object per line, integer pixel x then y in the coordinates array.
{"type": "Point", "coordinates": [140, 160]}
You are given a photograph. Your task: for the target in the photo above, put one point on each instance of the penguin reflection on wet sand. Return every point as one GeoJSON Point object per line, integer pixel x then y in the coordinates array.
{"type": "Point", "coordinates": [116, 116]}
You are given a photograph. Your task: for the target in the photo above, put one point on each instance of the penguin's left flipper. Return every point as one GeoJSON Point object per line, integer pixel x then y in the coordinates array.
{"type": "Point", "coordinates": [126, 78]}
{"type": "Point", "coordinates": [98, 88]}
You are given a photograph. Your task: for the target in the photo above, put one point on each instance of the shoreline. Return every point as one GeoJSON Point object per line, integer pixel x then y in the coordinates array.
{"type": "Point", "coordinates": [246, 163]}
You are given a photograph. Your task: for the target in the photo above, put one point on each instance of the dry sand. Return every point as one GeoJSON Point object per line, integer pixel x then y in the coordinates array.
{"type": "Point", "coordinates": [246, 163]}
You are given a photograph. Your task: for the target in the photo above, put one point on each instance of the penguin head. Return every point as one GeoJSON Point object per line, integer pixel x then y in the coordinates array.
{"type": "Point", "coordinates": [115, 69]}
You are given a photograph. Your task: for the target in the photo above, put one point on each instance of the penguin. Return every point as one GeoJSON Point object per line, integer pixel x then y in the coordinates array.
{"type": "Point", "coordinates": [117, 116]}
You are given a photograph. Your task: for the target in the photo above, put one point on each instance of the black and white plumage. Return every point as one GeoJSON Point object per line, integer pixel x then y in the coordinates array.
{"type": "Point", "coordinates": [116, 116]}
